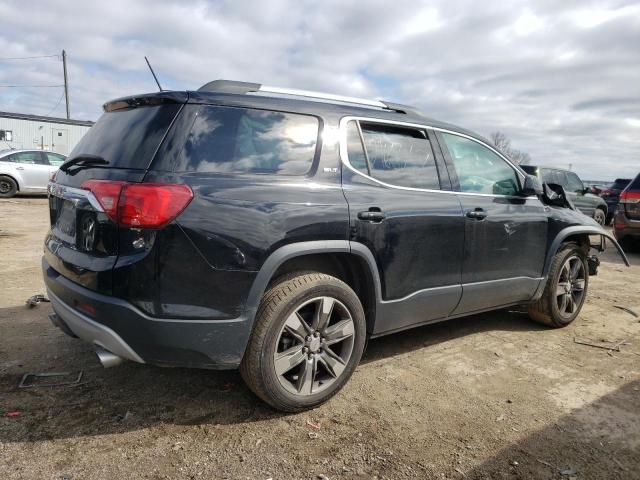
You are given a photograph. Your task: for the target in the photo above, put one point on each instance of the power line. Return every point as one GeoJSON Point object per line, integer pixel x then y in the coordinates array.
{"type": "Point", "coordinates": [30, 86]}
{"type": "Point", "coordinates": [28, 58]}
{"type": "Point", "coordinates": [59, 100]}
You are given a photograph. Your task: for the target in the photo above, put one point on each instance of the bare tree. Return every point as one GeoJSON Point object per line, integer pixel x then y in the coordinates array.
{"type": "Point", "coordinates": [502, 143]}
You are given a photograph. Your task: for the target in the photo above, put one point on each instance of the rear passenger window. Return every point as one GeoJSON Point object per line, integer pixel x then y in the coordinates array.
{"type": "Point", "coordinates": [395, 155]}
{"type": "Point", "coordinates": [241, 140]}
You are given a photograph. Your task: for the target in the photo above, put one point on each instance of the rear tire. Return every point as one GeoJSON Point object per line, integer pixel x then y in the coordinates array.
{"type": "Point", "coordinates": [566, 288]}
{"type": "Point", "coordinates": [308, 338]}
{"type": "Point", "coordinates": [599, 216]}
{"type": "Point", "coordinates": [8, 187]}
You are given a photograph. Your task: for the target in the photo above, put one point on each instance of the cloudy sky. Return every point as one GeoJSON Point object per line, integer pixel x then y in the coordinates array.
{"type": "Point", "coordinates": [561, 79]}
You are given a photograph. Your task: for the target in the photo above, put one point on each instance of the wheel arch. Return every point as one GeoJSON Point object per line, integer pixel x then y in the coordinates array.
{"type": "Point", "coordinates": [350, 262]}
{"type": "Point", "coordinates": [579, 234]}
{"type": "Point", "coordinates": [12, 177]}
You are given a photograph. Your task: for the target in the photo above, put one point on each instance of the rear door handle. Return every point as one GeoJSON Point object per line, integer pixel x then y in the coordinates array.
{"type": "Point", "coordinates": [19, 168]}
{"type": "Point", "coordinates": [477, 214]}
{"type": "Point", "coordinates": [371, 215]}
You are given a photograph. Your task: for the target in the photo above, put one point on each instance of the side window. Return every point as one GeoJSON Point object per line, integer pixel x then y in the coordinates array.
{"type": "Point", "coordinates": [55, 159]}
{"type": "Point", "coordinates": [479, 169]}
{"type": "Point", "coordinates": [549, 176]}
{"type": "Point", "coordinates": [238, 140]}
{"type": "Point", "coordinates": [26, 157]}
{"type": "Point", "coordinates": [574, 182]}
{"type": "Point", "coordinates": [355, 149]}
{"type": "Point", "coordinates": [400, 156]}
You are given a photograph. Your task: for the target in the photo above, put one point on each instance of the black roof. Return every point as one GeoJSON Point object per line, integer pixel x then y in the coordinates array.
{"type": "Point", "coordinates": [40, 118]}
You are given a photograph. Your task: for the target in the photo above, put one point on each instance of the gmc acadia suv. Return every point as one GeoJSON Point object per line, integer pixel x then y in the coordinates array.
{"type": "Point", "coordinates": [277, 230]}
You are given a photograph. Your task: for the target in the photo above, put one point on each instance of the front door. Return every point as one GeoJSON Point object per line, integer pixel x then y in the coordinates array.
{"type": "Point", "coordinates": [60, 140]}
{"type": "Point", "coordinates": [505, 233]}
{"type": "Point", "coordinates": [394, 180]}
{"type": "Point", "coordinates": [34, 169]}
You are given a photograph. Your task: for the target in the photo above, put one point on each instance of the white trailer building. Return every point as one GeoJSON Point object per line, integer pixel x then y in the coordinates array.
{"type": "Point", "coordinates": [19, 130]}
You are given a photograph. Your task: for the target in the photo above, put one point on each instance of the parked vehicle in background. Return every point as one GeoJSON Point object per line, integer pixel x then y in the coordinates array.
{"type": "Point", "coordinates": [582, 197]}
{"type": "Point", "coordinates": [27, 171]}
{"type": "Point", "coordinates": [611, 195]}
{"type": "Point", "coordinates": [277, 230]}
{"type": "Point", "coordinates": [626, 222]}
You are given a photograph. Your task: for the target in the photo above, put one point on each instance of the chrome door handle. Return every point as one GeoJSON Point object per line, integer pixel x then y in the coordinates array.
{"type": "Point", "coordinates": [19, 168]}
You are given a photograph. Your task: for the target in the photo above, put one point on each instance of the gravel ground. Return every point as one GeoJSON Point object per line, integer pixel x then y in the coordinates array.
{"type": "Point", "coordinates": [489, 396]}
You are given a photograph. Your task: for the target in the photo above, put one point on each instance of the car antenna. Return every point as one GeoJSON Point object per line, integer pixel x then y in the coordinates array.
{"type": "Point", "coordinates": [153, 73]}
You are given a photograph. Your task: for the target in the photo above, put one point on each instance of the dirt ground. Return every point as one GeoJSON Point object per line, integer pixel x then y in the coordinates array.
{"type": "Point", "coordinates": [490, 396]}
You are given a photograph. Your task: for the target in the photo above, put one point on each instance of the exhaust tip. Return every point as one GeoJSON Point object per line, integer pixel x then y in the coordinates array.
{"type": "Point", "coordinates": [108, 359]}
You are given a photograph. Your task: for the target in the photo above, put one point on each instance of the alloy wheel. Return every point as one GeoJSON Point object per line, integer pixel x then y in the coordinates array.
{"type": "Point", "coordinates": [570, 287]}
{"type": "Point", "coordinates": [5, 187]}
{"type": "Point", "coordinates": [314, 346]}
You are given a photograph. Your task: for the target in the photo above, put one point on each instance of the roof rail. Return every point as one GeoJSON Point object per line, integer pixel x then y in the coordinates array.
{"type": "Point", "coordinates": [232, 86]}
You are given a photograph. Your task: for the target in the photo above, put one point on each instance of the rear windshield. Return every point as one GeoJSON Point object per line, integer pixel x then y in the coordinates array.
{"type": "Point", "coordinates": [636, 184]}
{"type": "Point", "coordinates": [244, 140]}
{"type": "Point", "coordinates": [620, 183]}
{"type": "Point", "coordinates": [128, 138]}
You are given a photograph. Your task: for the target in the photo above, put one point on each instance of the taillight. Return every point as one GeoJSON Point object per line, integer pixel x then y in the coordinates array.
{"type": "Point", "coordinates": [140, 205]}
{"type": "Point", "coordinates": [630, 197]}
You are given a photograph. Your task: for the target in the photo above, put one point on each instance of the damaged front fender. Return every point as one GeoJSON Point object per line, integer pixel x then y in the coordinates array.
{"type": "Point", "coordinates": [581, 230]}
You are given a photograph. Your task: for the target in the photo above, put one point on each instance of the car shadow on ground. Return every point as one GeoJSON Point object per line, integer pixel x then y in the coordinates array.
{"type": "Point", "coordinates": [597, 440]}
{"type": "Point", "coordinates": [153, 395]}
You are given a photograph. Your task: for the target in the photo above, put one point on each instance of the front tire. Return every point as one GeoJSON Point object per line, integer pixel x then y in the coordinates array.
{"type": "Point", "coordinates": [566, 288]}
{"type": "Point", "coordinates": [8, 187]}
{"type": "Point", "coordinates": [307, 340]}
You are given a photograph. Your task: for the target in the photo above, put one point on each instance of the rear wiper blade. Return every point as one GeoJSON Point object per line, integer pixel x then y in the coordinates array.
{"type": "Point", "coordinates": [82, 160]}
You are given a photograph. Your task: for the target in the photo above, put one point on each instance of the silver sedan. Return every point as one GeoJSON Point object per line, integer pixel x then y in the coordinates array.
{"type": "Point", "coordinates": [27, 171]}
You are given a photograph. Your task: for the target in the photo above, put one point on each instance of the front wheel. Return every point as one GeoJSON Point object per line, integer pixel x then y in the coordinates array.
{"type": "Point", "coordinates": [566, 288]}
{"type": "Point", "coordinates": [307, 340]}
{"type": "Point", "coordinates": [8, 187]}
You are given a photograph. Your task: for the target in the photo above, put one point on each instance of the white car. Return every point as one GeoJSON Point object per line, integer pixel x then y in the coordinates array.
{"type": "Point", "coordinates": [27, 171]}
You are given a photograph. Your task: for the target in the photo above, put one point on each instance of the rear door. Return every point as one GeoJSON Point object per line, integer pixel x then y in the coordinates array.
{"type": "Point", "coordinates": [505, 233]}
{"type": "Point", "coordinates": [84, 243]}
{"type": "Point", "coordinates": [402, 208]}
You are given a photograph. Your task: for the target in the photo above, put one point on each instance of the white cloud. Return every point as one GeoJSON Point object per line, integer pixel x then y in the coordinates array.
{"type": "Point", "coordinates": [561, 79]}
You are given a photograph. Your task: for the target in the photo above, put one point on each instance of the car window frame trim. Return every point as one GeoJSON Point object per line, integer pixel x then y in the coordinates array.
{"type": "Point", "coordinates": [344, 158]}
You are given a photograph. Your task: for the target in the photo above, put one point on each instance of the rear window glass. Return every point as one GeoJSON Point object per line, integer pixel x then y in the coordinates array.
{"type": "Point", "coordinates": [621, 183]}
{"type": "Point", "coordinates": [397, 156]}
{"type": "Point", "coordinates": [243, 140]}
{"type": "Point", "coordinates": [128, 138]}
{"type": "Point", "coordinates": [635, 185]}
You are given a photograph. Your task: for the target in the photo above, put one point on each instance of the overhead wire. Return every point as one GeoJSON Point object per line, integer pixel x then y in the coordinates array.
{"type": "Point", "coordinates": [28, 58]}
{"type": "Point", "coordinates": [59, 100]}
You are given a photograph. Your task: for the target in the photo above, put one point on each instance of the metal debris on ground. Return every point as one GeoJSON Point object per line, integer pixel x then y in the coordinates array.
{"type": "Point", "coordinates": [611, 346]}
{"type": "Point", "coordinates": [313, 435]}
{"type": "Point", "coordinates": [29, 380]}
{"type": "Point", "coordinates": [628, 310]}
{"type": "Point", "coordinates": [35, 300]}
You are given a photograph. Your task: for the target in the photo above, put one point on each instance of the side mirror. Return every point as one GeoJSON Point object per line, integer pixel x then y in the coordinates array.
{"type": "Point", "coordinates": [531, 186]}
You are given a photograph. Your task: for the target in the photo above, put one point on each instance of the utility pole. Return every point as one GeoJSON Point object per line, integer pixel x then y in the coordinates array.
{"type": "Point", "coordinates": [66, 82]}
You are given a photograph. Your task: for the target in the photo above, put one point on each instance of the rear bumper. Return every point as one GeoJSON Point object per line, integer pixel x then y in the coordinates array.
{"type": "Point", "coordinates": [124, 330]}
{"type": "Point", "coordinates": [624, 227]}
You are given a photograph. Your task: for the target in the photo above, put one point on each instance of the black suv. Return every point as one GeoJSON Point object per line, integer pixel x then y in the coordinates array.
{"type": "Point", "coordinates": [277, 230]}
